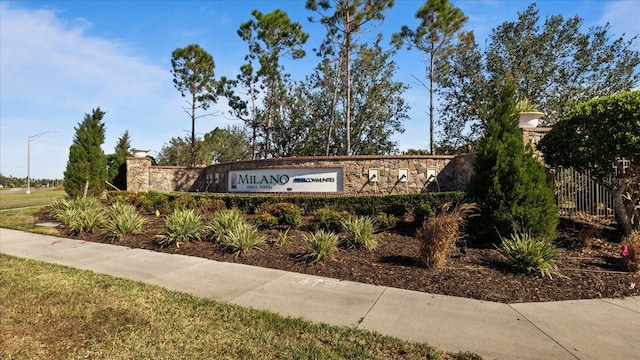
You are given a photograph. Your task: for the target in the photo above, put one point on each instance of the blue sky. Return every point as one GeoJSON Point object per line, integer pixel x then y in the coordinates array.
{"type": "Point", "coordinates": [61, 59]}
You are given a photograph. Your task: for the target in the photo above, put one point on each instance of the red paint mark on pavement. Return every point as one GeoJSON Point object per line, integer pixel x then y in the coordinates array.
{"type": "Point", "coordinates": [55, 242]}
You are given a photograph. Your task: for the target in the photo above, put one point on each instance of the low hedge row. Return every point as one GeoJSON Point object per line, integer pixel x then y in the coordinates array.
{"type": "Point", "coordinates": [421, 205]}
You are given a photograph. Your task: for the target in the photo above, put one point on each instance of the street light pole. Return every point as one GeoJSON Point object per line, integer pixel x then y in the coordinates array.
{"type": "Point", "coordinates": [29, 138]}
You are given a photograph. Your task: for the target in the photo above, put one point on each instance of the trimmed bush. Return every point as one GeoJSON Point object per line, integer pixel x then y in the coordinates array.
{"type": "Point", "coordinates": [439, 233]}
{"type": "Point", "coordinates": [328, 219]}
{"type": "Point", "coordinates": [359, 232]}
{"type": "Point", "coordinates": [285, 213]}
{"type": "Point", "coordinates": [320, 246]}
{"type": "Point", "coordinates": [180, 227]}
{"type": "Point", "coordinates": [266, 220]}
{"type": "Point", "coordinates": [123, 221]}
{"type": "Point", "coordinates": [527, 254]}
{"type": "Point", "coordinates": [384, 221]}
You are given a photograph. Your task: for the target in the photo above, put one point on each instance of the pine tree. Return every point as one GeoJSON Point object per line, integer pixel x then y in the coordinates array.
{"type": "Point", "coordinates": [509, 184]}
{"type": "Point", "coordinates": [87, 165]}
{"type": "Point", "coordinates": [117, 162]}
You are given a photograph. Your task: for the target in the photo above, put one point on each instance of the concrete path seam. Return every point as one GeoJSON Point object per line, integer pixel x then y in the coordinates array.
{"type": "Point", "coordinates": [232, 300]}
{"type": "Point", "coordinates": [620, 306]}
{"type": "Point", "coordinates": [544, 332]}
{"type": "Point", "coordinates": [370, 308]}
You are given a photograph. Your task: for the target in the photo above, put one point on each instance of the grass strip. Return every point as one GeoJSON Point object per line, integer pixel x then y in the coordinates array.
{"type": "Point", "coordinates": [56, 312]}
{"type": "Point", "coordinates": [12, 199]}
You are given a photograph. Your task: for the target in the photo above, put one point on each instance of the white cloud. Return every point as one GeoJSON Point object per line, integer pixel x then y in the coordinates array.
{"type": "Point", "coordinates": [622, 16]}
{"type": "Point", "coordinates": [53, 73]}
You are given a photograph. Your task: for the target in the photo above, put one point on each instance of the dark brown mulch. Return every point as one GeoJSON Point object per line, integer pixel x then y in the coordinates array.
{"type": "Point", "coordinates": [591, 272]}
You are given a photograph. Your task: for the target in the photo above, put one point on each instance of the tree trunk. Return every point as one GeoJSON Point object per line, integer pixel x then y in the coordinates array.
{"type": "Point", "coordinates": [623, 214]}
{"type": "Point", "coordinates": [348, 60]}
{"type": "Point", "coordinates": [86, 189]}
{"type": "Point", "coordinates": [193, 130]}
{"type": "Point", "coordinates": [334, 101]}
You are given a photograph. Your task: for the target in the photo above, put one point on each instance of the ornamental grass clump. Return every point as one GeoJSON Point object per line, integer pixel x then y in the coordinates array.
{"type": "Point", "coordinates": [221, 222]}
{"type": "Point", "coordinates": [79, 214]}
{"type": "Point", "coordinates": [180, 227]}
{"type": "Point", "coordinates": [320, 246]}
{"type": "Point", "coordinates": [359, 232]}
{"type": "Point", "coordinates": [123, 221]}
{"type": "Point", "coordinates": [529, 255]}
{"type": "Point", "coordinates": [438, 234]}
{"type": "Point", "coordinates": [241, 238]}
{"type": "Point", "coordinates": [631, 252]}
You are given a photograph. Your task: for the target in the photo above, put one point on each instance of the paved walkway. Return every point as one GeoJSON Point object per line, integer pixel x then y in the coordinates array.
{"type": "Point", "coordinates": [584, 329]}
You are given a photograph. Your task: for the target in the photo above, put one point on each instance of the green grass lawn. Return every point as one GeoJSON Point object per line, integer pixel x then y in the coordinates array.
{"type": "Point", "coordinates": [16, 199]}
{"type": "Point", "coordinates": [55, 312]}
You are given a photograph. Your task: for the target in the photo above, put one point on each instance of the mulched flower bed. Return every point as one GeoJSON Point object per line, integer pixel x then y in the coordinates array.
{"type": "Point", "coordinates": [481, 273]}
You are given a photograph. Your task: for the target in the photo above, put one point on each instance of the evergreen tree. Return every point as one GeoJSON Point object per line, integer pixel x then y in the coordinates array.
{"type": "Point", "coordinates": [508, 183]}
{"type": "Point", "coordinates": [87, 165]}
{"type": "Point", "coordinates": [117, 162]}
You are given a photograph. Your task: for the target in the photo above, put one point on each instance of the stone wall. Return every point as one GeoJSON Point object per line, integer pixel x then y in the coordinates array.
{"type": "Point", "coordinates": [451, 172]}
{"type": "Point", "coordinates": [141, 176]}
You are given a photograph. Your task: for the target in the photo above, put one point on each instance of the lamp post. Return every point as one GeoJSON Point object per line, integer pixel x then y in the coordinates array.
{"type": "Point", "coordinates": [29, 138]}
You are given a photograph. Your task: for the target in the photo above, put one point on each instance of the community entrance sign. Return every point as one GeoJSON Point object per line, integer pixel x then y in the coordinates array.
{"type": "Point", "coordinates": [286, 180]}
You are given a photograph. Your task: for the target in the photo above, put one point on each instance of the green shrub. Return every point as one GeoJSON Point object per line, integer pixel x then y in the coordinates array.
{"type": "Point", "coordinates": [359, 232]}
{"type": "Point", "coordinates": [266, 220]}
{"type": "Point", "coordinates": [185, 201]}
{"type": "Point", "coordinates": [321, 245]}
{"type": "Point", "coordinates": [241, 238]}
{"type": "Point", "coordinates": [439, 233]}
{"type": "Point", "coordinates": [285, 213]}
{"type": "Point", "coordinates": [384, 221]}
{"type": "Point", "coordinates": [152, 201]}
{"type": "Point", "coordinates": [328, 219]}
{"type": "Point", "coordinates": [182, 226]}
{"type": "Point", "coordinates": [210, 206]}
{"type": "Point", "coordinates": [527, 254]}
{"type": "Point", "coordinates": [221, 222]}
{"type": "Point", "coordinates": [123, 220]}
{"type": "Point", "coordinates": [509, 183]}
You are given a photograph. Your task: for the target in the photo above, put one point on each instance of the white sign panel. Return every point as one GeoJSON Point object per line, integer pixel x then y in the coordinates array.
{"type": "Point", "coordinates": [286, 180]}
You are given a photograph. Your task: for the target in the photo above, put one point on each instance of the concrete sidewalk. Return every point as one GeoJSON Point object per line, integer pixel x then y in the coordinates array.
{"type": "Point", "coordinates": [585, 329]}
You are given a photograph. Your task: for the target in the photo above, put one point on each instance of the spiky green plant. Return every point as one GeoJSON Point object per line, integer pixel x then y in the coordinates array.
{"type": "Point", "coordinates": [123, 221]}
{"type": "Point", "coordinates": [79, 214]}
{"type": "Point", "coordinates": [359, 232]}
{"type": "Point", "coordinates": [283, 237]}
{"type": "Point", "coordinates": [221, 222]}
{"type": "Point", "coordinates": [182, 226]}
{"type": "Point", "coordinates": [527, 254]}
{"type": "Point", "coordinates": [321, 245]}
{"type": "Point", "coordinates": [241, 238]}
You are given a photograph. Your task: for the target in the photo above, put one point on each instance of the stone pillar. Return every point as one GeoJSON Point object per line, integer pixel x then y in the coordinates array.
{"type": "Point", "coordinates": [138, 174]}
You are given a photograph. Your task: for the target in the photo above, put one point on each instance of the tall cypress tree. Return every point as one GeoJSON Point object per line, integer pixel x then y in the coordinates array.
{"type": "Point", "coordinates": [117, 162]}
{"type": "Point", "coordinates": [509, 184]}
{"type": "Point", "coordinates": [87, 165]}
